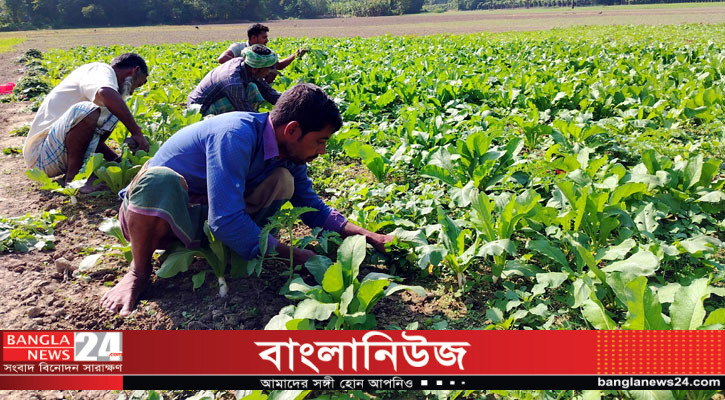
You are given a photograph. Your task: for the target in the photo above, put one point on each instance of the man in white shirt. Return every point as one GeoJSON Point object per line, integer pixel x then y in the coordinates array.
{"type": "Point", "coordinates": [258, 34]}
{"type": "Point", "coordinates": [79, 114]}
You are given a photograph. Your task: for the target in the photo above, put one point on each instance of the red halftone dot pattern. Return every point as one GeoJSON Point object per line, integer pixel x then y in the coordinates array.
{"type": "Point", "coordinates": [660, 352]}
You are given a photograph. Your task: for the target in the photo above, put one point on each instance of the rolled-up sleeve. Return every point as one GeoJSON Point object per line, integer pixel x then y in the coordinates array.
{"type": "Point", "coordinates": [267, 92]}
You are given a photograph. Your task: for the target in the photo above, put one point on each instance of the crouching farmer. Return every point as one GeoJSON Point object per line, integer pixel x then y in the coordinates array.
{"type": "Point", "coordinates": [234, 170]}
{"type": "Point", "coordinates": [79, 114]}
{"type": "Point", "coordinates": [237, 85]}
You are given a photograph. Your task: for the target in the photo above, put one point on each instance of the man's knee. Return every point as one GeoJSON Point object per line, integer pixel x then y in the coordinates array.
{"type": "Point", "coordinates": [84, 129]}
{"type": "Point", "coordinates": [92, 119]}
{"type": "Point", "coordinates": [285, 183]}
{"type": "Point", "coordinates": [144, 226]}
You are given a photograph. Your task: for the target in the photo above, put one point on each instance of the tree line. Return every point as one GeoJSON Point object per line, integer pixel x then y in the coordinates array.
{"type": "Point", "coordinates": [34, 14]}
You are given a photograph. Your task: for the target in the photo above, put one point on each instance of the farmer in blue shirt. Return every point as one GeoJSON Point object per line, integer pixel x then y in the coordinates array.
{"type": "Point", "coordinates": [233, 170]}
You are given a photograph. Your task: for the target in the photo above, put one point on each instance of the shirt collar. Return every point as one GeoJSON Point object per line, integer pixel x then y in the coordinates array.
{"type": "Point", "coordinates": [271, 149]}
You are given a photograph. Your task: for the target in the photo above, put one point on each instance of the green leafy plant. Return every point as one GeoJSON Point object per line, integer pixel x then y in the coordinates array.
{"type": "Point", "coordinates": [12, 150]}
{"type": "Point", "coordinates": [27, 233]}
{"type": "Point", "coordinates": [71, 189]}
{"type": "Point", "coordinates": [285, 218]}
{"type": "Point", "coordinates": [217, 255]}
{"type": "Point", "coordinates": [338, 295]}
{"type": "Point", "coordinates": [20, 131]}
{"type": "Point", "coordinates": [117, 175]}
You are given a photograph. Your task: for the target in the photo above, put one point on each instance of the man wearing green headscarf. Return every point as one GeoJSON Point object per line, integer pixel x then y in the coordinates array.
{"type": "Point", "coordinates": [237, 85]}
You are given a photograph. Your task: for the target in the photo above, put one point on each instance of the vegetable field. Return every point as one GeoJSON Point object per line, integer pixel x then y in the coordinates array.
{"type": "Point", "coordinates": [567, 179]}
{"type": "Point", "coordinates": [564, 179]}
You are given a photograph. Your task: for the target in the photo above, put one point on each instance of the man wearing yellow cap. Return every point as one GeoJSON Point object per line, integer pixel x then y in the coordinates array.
{"type": "Point", "coordinates": [237, 85]}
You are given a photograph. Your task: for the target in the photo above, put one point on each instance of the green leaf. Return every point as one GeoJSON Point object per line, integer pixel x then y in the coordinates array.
{"type": "Point", "coordinates": [642, 263]}
{"type": "Point", "coordinates": [431, 255]}
{"type": "Point", "coordinates": [313, 309]}
{"type": "Point", "coordinates": [646, 219]}
{"type": "Point", "coordinates": [178, 261]}
{"type": "Point", "coordinates": [547, 249]}
{"type": "Point", "coordinates": [700, 244]}
{"type": "Point", "coordinates": [333, 282]}
{"type": "Point", "coordinates": [693, 171]}
{"type": "Point", "coordinates": [369, 292]}
{"type": "Point", "coordinates": [350, 255]}
{"type": "Point", "coordinates": [89, 262]}
{"type": "Point", "coordinates": [550, 280]}
{"type": "Point", "coordinates": [220, 252]}
{"type": "Point", "coordinates": [581, 293]}
{"type": "Point", "coordinates": [589, 260]}
{"type": "Point", "coordinates": [112, 227]}
{"type": "Point", "coordinates": [278, 322]}
{"type": "Point", "coordinates": [594, 312]}
{"type": "Point", "coordinates": [645, 310]}
{"type": "Point", "coordinates": [299, 285]}
{"type": "Point", "coordinates": [617, 252]}
{"type": "Point", "coordinates": [318, 265]}
{"type": "Point", "coordinates": [687, 310]}
{"type": "Point", "coordinates": [394, 287]}
{"type": "Point", "coordinates": [385, 99]}
{"type": "Point", "coordinates": [496, 248]}
{"type": "Point", "coordinates": [300, 325]}
{"type": "Point", "coordinates": [716, 317]}
{"type": "Point", "coordinates": [345, 300]}
{"type": "Point", "coordinates": [442, 174]}
{"type": "Point", "coordinates": [713, 197]}
{"type": "Point", "coordinates": [373, 161]}
{"type": "Point", "coordinates": [237, 265]}
{"type": "Point", "coordinates": [40, 177]}
{"type": "Point", "coordinates": [591, 395]}
{"type": "Point", "coordinates": [624, 191]}
{"type": "Point", "coordinates": [198, 279]}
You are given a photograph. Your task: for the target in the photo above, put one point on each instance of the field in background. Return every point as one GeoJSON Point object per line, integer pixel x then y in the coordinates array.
{"type": "Point", "coordinates": [416, 24]}
{"type": "Point", "coordinates": [8, 44]}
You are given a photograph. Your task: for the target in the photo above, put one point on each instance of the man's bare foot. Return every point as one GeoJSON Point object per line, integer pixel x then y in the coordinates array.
{"type": "Point", "coordinates": [124, 295]}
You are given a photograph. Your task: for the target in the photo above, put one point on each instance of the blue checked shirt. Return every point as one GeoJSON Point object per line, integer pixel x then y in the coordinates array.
{"type": "Point", "coordinates": [229, 80]}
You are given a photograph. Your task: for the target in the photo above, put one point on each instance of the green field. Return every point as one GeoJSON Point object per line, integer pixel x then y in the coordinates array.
{"type": "Point", "coordinates": [9, 44]}
{"type": "Point", "coordinates": [564, 179]}
{"type": "Point", "coordinates": [574, 174]}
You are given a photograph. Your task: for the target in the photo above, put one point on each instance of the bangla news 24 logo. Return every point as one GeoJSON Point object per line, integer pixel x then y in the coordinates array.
{"type": "Point", "coordinates": [62, 346]}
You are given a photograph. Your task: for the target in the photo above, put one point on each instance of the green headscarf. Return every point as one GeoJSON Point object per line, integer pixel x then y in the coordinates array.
{"type": "Point", "coordinates": [254, 59]}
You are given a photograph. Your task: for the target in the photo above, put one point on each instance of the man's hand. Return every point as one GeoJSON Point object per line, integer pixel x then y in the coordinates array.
{"type": "Point", "coordinates": [299, 256]}
{"type": "Point", "coordinates": [378, 241]}
{"type": "Point", "coordinates": [141, 143]}
{"type": "Point", "coordinates": [301, 52]}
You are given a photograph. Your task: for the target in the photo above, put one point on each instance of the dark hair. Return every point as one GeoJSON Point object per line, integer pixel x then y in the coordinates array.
{"type": "Point", "coordinates": [130, 60]}
{"type": "Point", "coordinates": [256, 29]}
{"type": "Point", "coordinates": [261, 49]}
{"type": "Point", "coordinates": [309, 105]}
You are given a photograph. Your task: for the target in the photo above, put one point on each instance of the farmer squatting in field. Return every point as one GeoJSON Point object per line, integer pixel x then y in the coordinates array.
{"type": "Point", "coordinates": [237, 85]}
{"type": "Point", "coordinates": [235, 170]}
{"type": "Point", "coordinates": [79, 114]}
{"type": "Point", "coordinates": [258, 34]}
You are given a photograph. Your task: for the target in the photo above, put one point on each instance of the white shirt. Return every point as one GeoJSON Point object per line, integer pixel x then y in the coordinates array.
{"type": "Point", "coordinates": [236, 48]}
{"type": "Point", "coordinates": [80, 85]}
